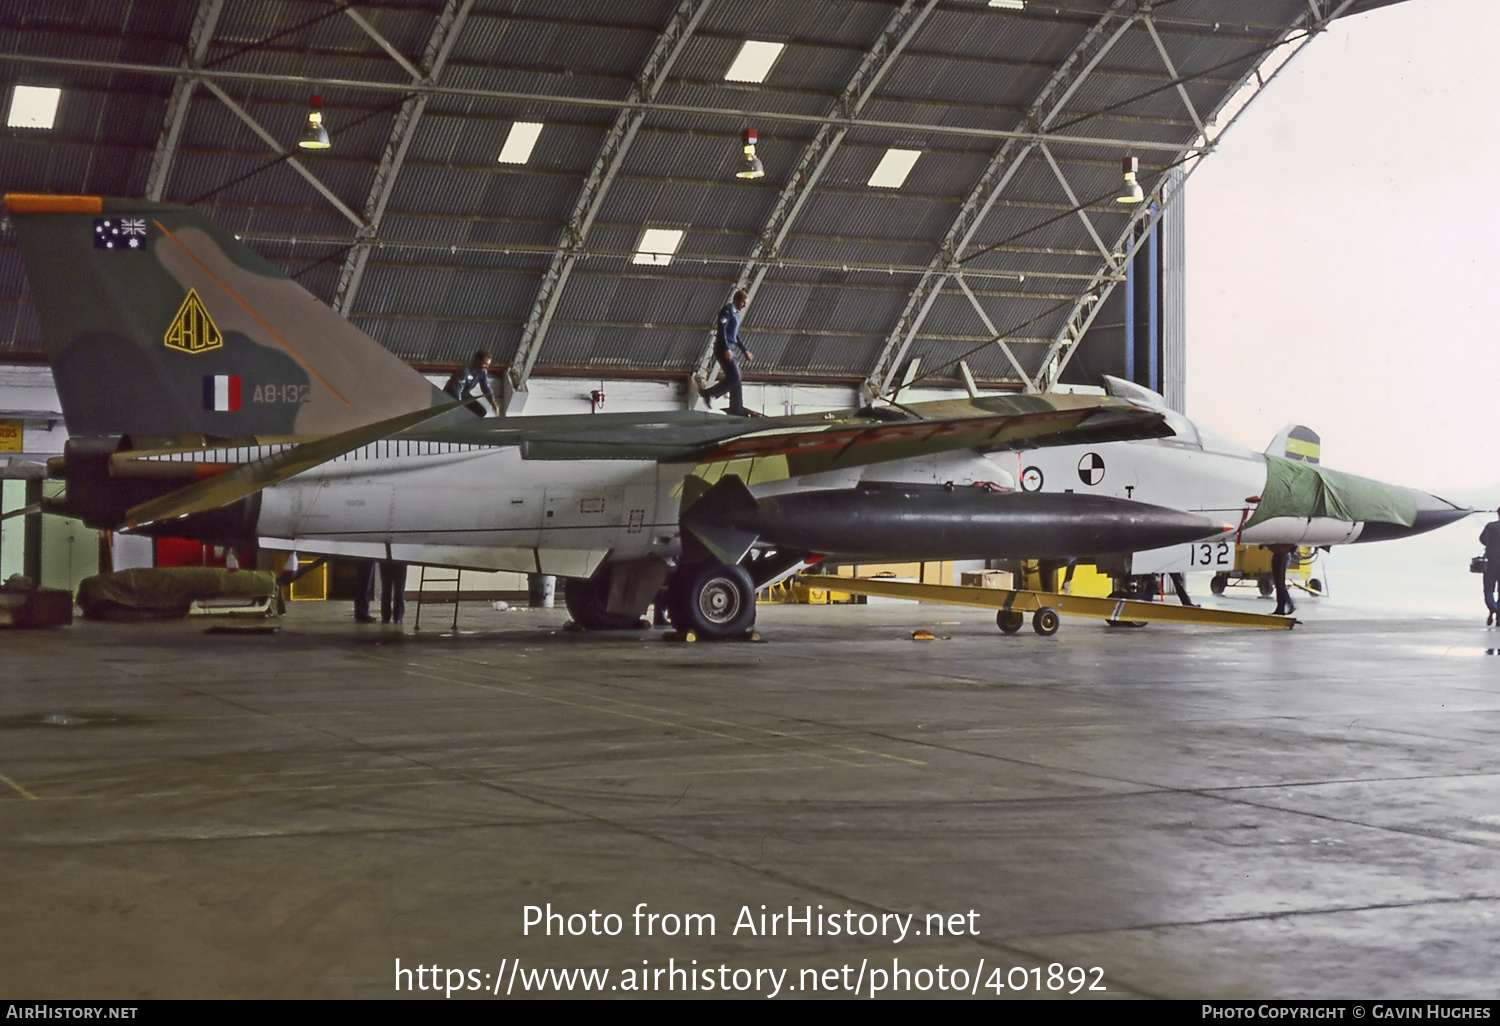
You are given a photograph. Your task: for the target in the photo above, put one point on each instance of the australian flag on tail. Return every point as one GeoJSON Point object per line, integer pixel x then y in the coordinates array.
{"type": "Point", "coordinates": [119, 233]}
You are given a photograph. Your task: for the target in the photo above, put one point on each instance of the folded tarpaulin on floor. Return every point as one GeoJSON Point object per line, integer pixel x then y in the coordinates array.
{"type": "Point", "coordinates": [168, 592]}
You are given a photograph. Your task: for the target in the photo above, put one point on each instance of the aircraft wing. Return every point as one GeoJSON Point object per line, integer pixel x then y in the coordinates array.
{"type": "Point", "coordinates": [811, 443]}
{"type": "Point", "coordinates": [779, 447]}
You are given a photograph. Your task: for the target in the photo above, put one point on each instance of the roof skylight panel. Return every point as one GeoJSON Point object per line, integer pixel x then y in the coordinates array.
{"type": "Point", "coordinates": [893, 168]}
{"type": "Point", "coordinates": [33, 107]}
{"type": "Point", "coordinates": [520, 141]}
{"type": "Point", "coordinates": [753, 62]}
{"type": "Point", "coordinates": [657, 246]}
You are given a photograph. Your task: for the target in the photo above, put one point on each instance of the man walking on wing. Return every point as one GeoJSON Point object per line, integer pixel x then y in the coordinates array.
{"type": "Point", "coordinates": [726, 341]}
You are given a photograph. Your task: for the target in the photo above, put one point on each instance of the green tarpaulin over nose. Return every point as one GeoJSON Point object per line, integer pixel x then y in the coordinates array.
{"type": "Point", "coordinates": [1296, 489]}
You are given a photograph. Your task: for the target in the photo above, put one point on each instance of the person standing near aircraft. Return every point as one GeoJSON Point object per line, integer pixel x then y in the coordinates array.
{"type": "Point", "coordinates": [465, 379]}
{"type": "Point", "coordinates": [364, 591]}
{"type": "Point", "coordinates": [1490, 539]}
{"type": "Point", "coordinates": [392, 591]}
{"type": "Point", "coordinates": [1281, 555]}
{"type": "Point", "coordinates": [726, 341]}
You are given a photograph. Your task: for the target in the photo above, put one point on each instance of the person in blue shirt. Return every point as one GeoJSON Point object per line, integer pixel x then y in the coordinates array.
{"type": "Point", "coordinates": [465, 379]}
{"type": "Point", "coordinates": [726, 341]}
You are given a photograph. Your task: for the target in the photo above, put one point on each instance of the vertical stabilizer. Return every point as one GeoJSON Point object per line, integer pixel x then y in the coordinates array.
{"type": "Point", "coordinates": [157, 322]}
{"type": "Point", "coordinates": [1296, 442]}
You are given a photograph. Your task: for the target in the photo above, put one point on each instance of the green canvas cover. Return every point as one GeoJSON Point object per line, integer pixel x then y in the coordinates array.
{"type": "Point", "coordinates": [166, 592]}
{"type": "Point", "coordinates": [1296, 489]}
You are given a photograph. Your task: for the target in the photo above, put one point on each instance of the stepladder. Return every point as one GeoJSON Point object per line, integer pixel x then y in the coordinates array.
{"type": "Point", "coordinates": [437, 575]}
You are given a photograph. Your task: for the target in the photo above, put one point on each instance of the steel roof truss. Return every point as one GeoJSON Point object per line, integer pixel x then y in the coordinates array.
{"type": "Point", "coordinates": [995, 333]}
{"type": "Point", "coordinates": [384, 43]}
{"type": "Point", "coordinates": [440, 45]}
{"type": "Point", "coordinates": [292, 162]}
{"type": "Point", "coordinates": [1172, 70]}
{"type": "Point", "coordinates": [1083, 215]}
{"type": "Point", "coordinates": [898, 32]}
{"type": "Point", "coordinates": [762, 116]}
{"type": "Point", "coordinates": [991, 184]}
{"type": "Point", "coordinates": [1089, 302]}
{"type": "Point", "coordinates": [201, 34]}
{"type": "Point", "coordinates": [658, 65]}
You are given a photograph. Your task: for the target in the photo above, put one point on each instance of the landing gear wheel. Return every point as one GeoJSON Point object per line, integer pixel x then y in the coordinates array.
{"type": "Point", "coordinates": [714, 601]}
{"type": "Point", "coordinates": [1266, 588]}
{"type": "Point", "coordinates": [1117, 594]}
{"type": "Point", "coordinates": [1218, 584]}
{"type": "Point", "coordinates": [1045, 621]}
{"type": "Point", "coordinates": [1315, 586]}
{"type": "Point", "coordinates": [587, 600]}
{"type": "Point", "coordinates": [1010, 621]}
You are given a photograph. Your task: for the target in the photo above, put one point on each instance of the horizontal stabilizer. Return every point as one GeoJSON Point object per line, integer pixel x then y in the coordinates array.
{"type": "Point", "coordinates": [252, 477]}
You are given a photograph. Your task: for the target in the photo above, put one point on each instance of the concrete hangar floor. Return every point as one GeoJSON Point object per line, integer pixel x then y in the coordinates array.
{"type": "Point", "coordinates": [1193, 812]}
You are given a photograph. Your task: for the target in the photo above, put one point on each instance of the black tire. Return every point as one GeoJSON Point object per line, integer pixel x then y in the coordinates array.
{"type": "Point", "coordinates": [587, 598]}
{"type": "Point", "coordinates": [1045, 621]}
{"type": "Point", "coordinates": [1315, 586]}
{"type": "Point", "coordinates": [1265, 586]}
{"type": "Point", "coordinates": [714, 601]}
{"type": "Point", "coordinates": [1218, 584]}
{"type": "Point", "coordinates": [1010, 621]}
{"type": "Point", "coordinates": [1118, 594]}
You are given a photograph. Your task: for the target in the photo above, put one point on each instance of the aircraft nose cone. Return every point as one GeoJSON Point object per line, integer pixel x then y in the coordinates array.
{"type": "Point", "coordinates": [1432, 512]}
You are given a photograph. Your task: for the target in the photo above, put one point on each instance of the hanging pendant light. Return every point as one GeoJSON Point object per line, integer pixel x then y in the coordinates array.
{"type": "Point", "coordinates": [1131, 191]}
{"type": "Point", "coordinates": [751, 166]}
{"type": "Point", "coordinates": [314, 135]}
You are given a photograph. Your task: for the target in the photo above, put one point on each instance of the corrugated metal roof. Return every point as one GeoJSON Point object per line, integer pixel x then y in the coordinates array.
{"type": "Point", "coordinates": [465, 241]}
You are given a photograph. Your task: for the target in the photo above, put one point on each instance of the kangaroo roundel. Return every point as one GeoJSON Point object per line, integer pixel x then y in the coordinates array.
{"type": "Point", "coordinates": [1091, 468]}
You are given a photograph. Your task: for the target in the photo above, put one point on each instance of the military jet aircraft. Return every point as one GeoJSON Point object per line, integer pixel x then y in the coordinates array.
{"type": "Point", "coordinates": [209, 396]}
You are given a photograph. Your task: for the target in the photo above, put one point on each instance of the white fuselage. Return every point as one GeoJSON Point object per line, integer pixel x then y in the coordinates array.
{"type": "Point", "coordinates": [1195, 470]}
{"type": "Point", "coordinates": [479, 506]}
{"type": "Point", "coordinates": [486, 507]}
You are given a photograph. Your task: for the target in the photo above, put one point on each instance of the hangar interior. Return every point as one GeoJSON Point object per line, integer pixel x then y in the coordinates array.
{"type": "Point", "coordinates": [935, 210]}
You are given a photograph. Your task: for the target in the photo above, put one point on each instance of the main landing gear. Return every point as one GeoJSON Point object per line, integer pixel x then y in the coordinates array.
{"type": "Point", "coordinates": [714, 601]}
{"type": "Point", "coordinates": [587, 600]}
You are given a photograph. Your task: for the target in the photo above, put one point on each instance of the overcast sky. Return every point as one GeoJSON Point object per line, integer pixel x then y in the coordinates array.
{"type": "Point", "coordinates": [1342, 258]}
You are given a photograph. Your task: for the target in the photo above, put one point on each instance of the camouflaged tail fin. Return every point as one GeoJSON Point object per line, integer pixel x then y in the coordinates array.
{"type": "Point", "coordinates": [159, 323]}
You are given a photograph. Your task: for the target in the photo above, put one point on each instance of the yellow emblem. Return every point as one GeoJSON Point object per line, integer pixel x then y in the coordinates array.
{"type": "Point", "coordinates": [192, 330]}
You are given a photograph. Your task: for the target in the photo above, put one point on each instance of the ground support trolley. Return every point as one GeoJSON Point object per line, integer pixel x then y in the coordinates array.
{"type": "Point", "coordinates": [1046, 607]}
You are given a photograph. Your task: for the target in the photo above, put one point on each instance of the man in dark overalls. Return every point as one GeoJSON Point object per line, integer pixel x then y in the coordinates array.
{"type": "Point", "coordinates": [726, 341]}
{"type": "Point", "coordinates": [465, 379]}
{"type": "Point", "coordinates": [1490, 539]}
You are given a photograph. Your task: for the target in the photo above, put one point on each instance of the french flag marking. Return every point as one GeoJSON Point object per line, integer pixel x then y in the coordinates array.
{"type": "Point", "coordinates": [221, 392]}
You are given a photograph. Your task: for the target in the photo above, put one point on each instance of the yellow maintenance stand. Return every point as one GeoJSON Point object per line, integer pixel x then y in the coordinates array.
{"type": "Point", "coordinates": [1046, 608]}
